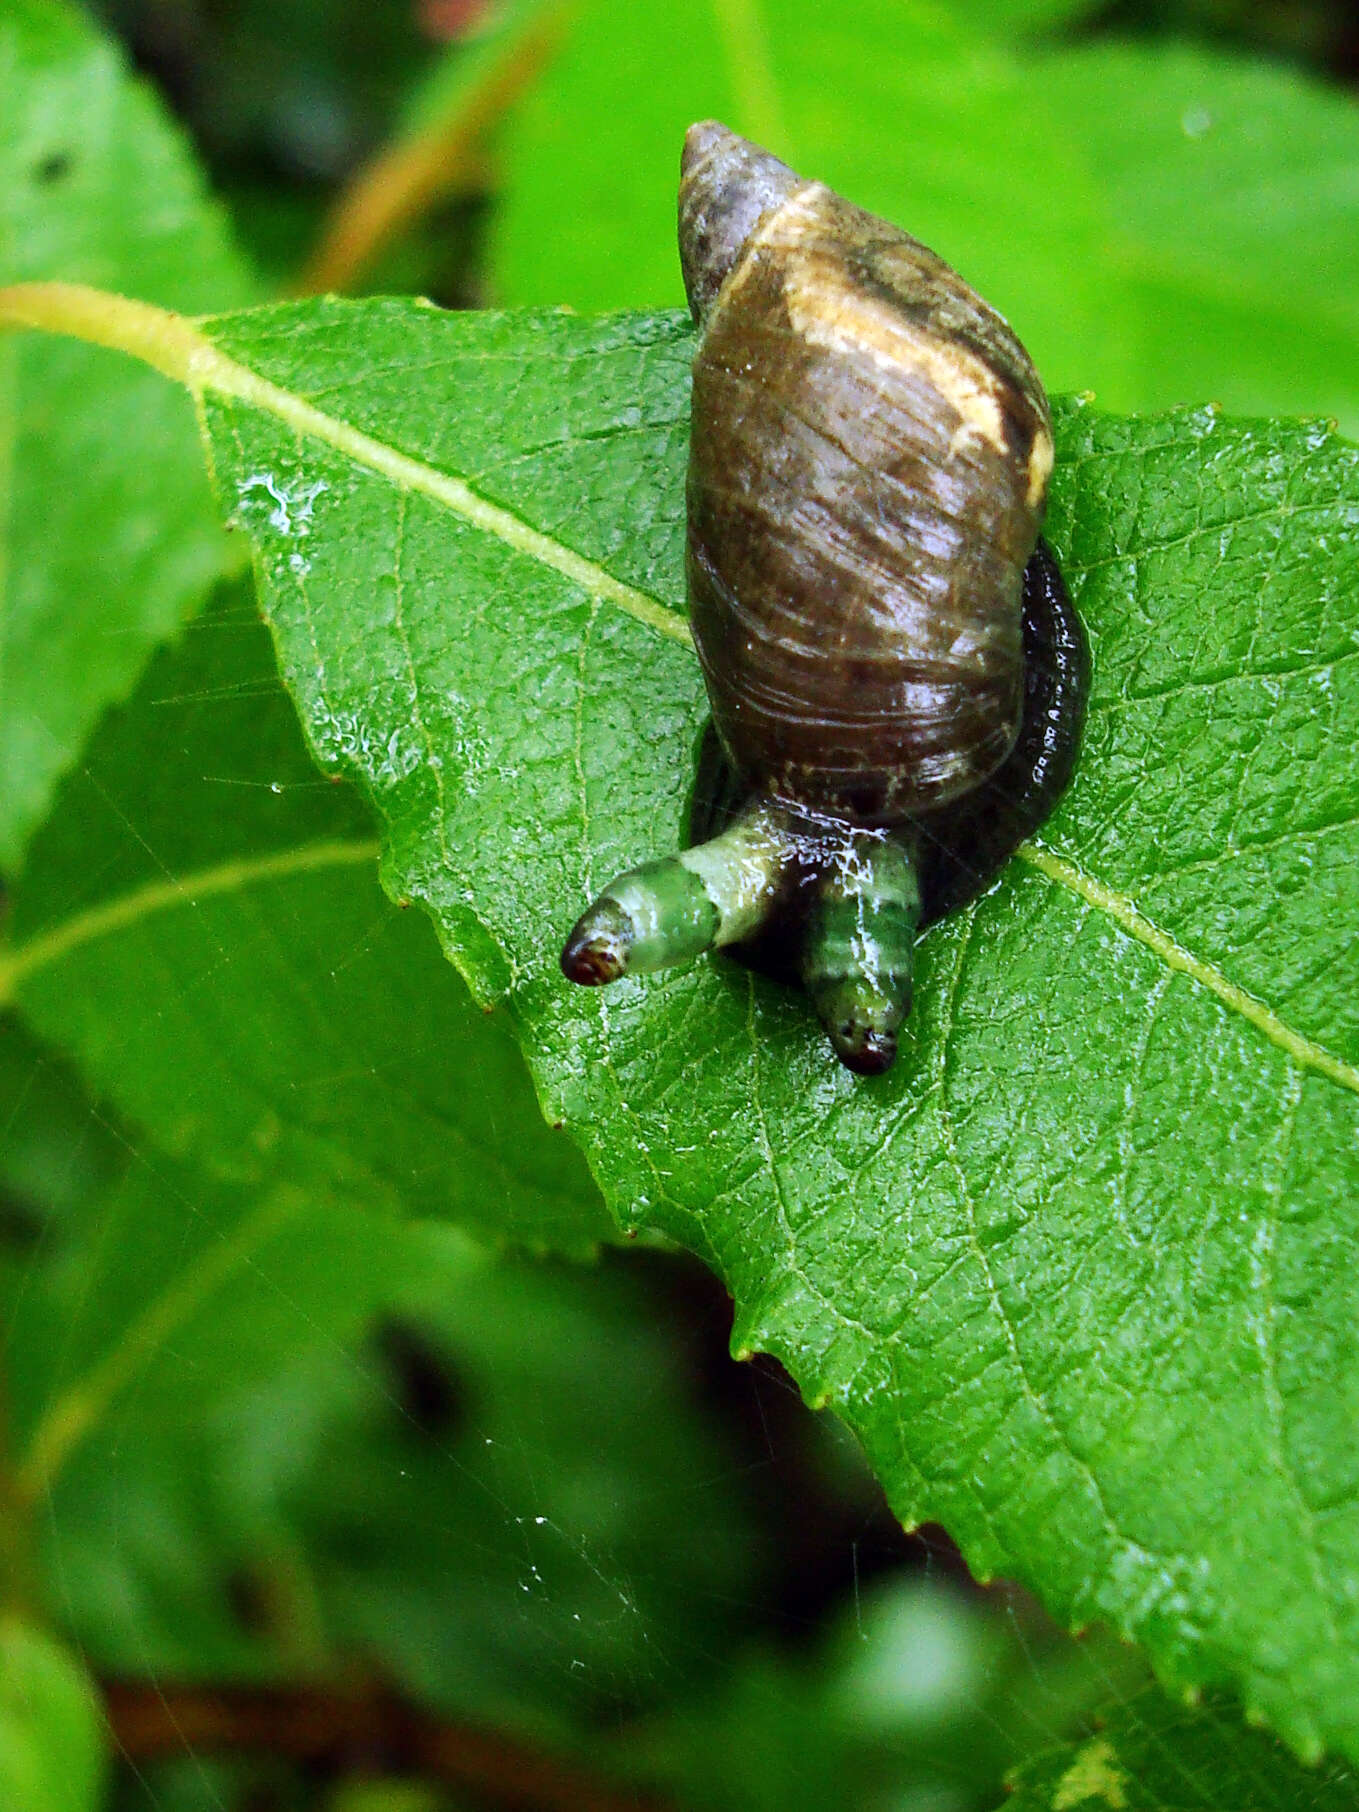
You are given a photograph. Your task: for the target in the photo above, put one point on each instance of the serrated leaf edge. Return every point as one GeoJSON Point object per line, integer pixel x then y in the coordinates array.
{"type": "Point", "coordinates": [178, 347]}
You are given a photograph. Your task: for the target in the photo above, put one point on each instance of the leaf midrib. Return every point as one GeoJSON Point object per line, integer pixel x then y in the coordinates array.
{"type": "Point", "coordinates": [123, 910]}
{"type": "Point", "coordinates": [175, 346]}
{"type": "Point", "coordinates": [82, 1404]}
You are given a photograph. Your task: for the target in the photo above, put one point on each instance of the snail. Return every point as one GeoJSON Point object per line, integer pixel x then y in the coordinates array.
{"type": "Point", "coordinates": [896, 675]}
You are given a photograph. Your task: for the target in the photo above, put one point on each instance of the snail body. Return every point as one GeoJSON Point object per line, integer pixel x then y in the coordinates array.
{"type": "Point", "coordinates": [960, 849]}
{"type": "Point", "coordinates": [869, 456]}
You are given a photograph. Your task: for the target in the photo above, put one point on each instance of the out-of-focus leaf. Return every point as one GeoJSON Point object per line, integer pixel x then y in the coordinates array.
{"type": "Point", "coordinates": [109, 538]}
{"type": "Point", "coordinates": [200, 924]}
{"type": "Point", "coordinates": [1024, 17]}
{"type": "Point", "coordinates": [1233, 189]}
{"type": "Point", "coordinates": [462, 78]}
{"type": "Point", "coordinates": [55, 1155]}
{"type": "Point", "coordinates": [906, 111]}
{"type": "Point", "coordinates": [442, 136]}
{"type": "Point", "coordinates": [292, 93]}
{"type": "Point", "coordinates": [172, 1347]}
{"type": "Point", "coordinates": [1153, 1756]}
{"type": "Point", "coordinates": [192, 1292]}
{"type": "Point", "coordinates": [163, 1295]}
{"type": "Point", "coordinates": [1161, 225]}
{"type": "Point", "coordinates": [517, 1511]}
{"type": "Point", "coordinates": [204, 1783]}
{"type": "Point", "coordinates": [51, 1740]}
{"type": "Point", "coordinates": [387, 1796]}
{"type": "Point", "coordinates": [505, 1503]}
{"type": "Point", "coordinates": [916, 1697]}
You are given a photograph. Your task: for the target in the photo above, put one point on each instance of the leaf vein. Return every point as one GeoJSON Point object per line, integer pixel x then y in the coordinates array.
{"type": "Point", "coordinates": [48, 947]}
{"type": "Point", "coordinates": [1303, 1050]}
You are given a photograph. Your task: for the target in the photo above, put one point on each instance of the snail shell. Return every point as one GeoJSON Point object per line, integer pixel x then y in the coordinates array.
{"type": "Point", "coordinates": [896, 675]}
{"type": "Point", "coordinates": [869, 459]}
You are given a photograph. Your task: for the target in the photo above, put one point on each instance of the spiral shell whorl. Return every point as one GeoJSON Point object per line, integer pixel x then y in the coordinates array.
{"type": "Point", "coordinates": [727, 186]}
{"type": "Point", "coordinates": [868, 466]}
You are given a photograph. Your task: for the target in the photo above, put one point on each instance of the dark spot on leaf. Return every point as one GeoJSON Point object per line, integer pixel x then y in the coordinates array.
{"type": "Point", "coordinates": [22, 1221]}
{"type": "Point", "coordinates": [422, 1376]}
{"type": "Point", "coordinates": [53, 167]}
{"type": "Point", "coordinates": [250, 1596]}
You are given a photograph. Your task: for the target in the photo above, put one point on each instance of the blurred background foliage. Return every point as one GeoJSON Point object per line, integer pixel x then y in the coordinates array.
{"type": "Point", "coordinates": [1159, 193]}
{"type": "Point", "coordinates": [459, 1525]}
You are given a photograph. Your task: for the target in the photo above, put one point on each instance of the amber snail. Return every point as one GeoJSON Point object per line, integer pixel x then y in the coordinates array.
{"type": "Point", "coordinates": [897, 677]}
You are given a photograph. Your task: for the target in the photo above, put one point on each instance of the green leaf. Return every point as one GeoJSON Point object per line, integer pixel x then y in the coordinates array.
{"type": "Point", "coordinates": [104, 553]}
{"type": "Point", "coordinates": [503, 1498]}
{"type": "Point", "coordinates": [1161, 225]}
{"type": "Point", "coordinates": [1025, 17]}
{"type": "Point", "coordinates": [54, 1154]}
{"type": "Point", "coordinates": [194, 1293]}
{"type": "Point", "coordinates": [1153, 1756]}
{"type": "Point", "coordinates": [595, 1548]}
{"type": "Point", "coordinates": [445, 119]}
{"type": "Point", "coordinates": [212, 1454]}
{"type": "Point", "coordinates": [51, 1737]}
{"type": "Point", "coordinates": [141, 1289]}
{"type": "Point", "coordinates": [1232, 187]}
{"type": "Point", "coordinates": [466, 80]}
{"type": "Point", "coordinates": [200, 924]}
{"type": "Point", "coordinates": [921, 1693]}
{"type": "Point", "coordinates": [177, 1301]}
{"type": "Point", "coordinates": [1079, 1272]}
{"type": "Point", "coordinates": [200, 1783]}
{"type": "Point", "coordinates": [386, 1796]}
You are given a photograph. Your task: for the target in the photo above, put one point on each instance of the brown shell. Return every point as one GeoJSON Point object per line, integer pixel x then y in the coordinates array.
{"type": "Point", "coordinates": [868, 466]}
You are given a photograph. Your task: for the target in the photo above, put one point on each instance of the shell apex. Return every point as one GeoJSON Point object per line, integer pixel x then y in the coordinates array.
{"type": "Point", "coordinates": [727, 186]}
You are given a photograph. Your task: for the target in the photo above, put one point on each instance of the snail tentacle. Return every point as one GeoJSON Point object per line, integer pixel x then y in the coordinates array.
{"type": "Point", "coordinates": [668, 911]}
{"type": "Point", "coordinates": [858, 956]}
